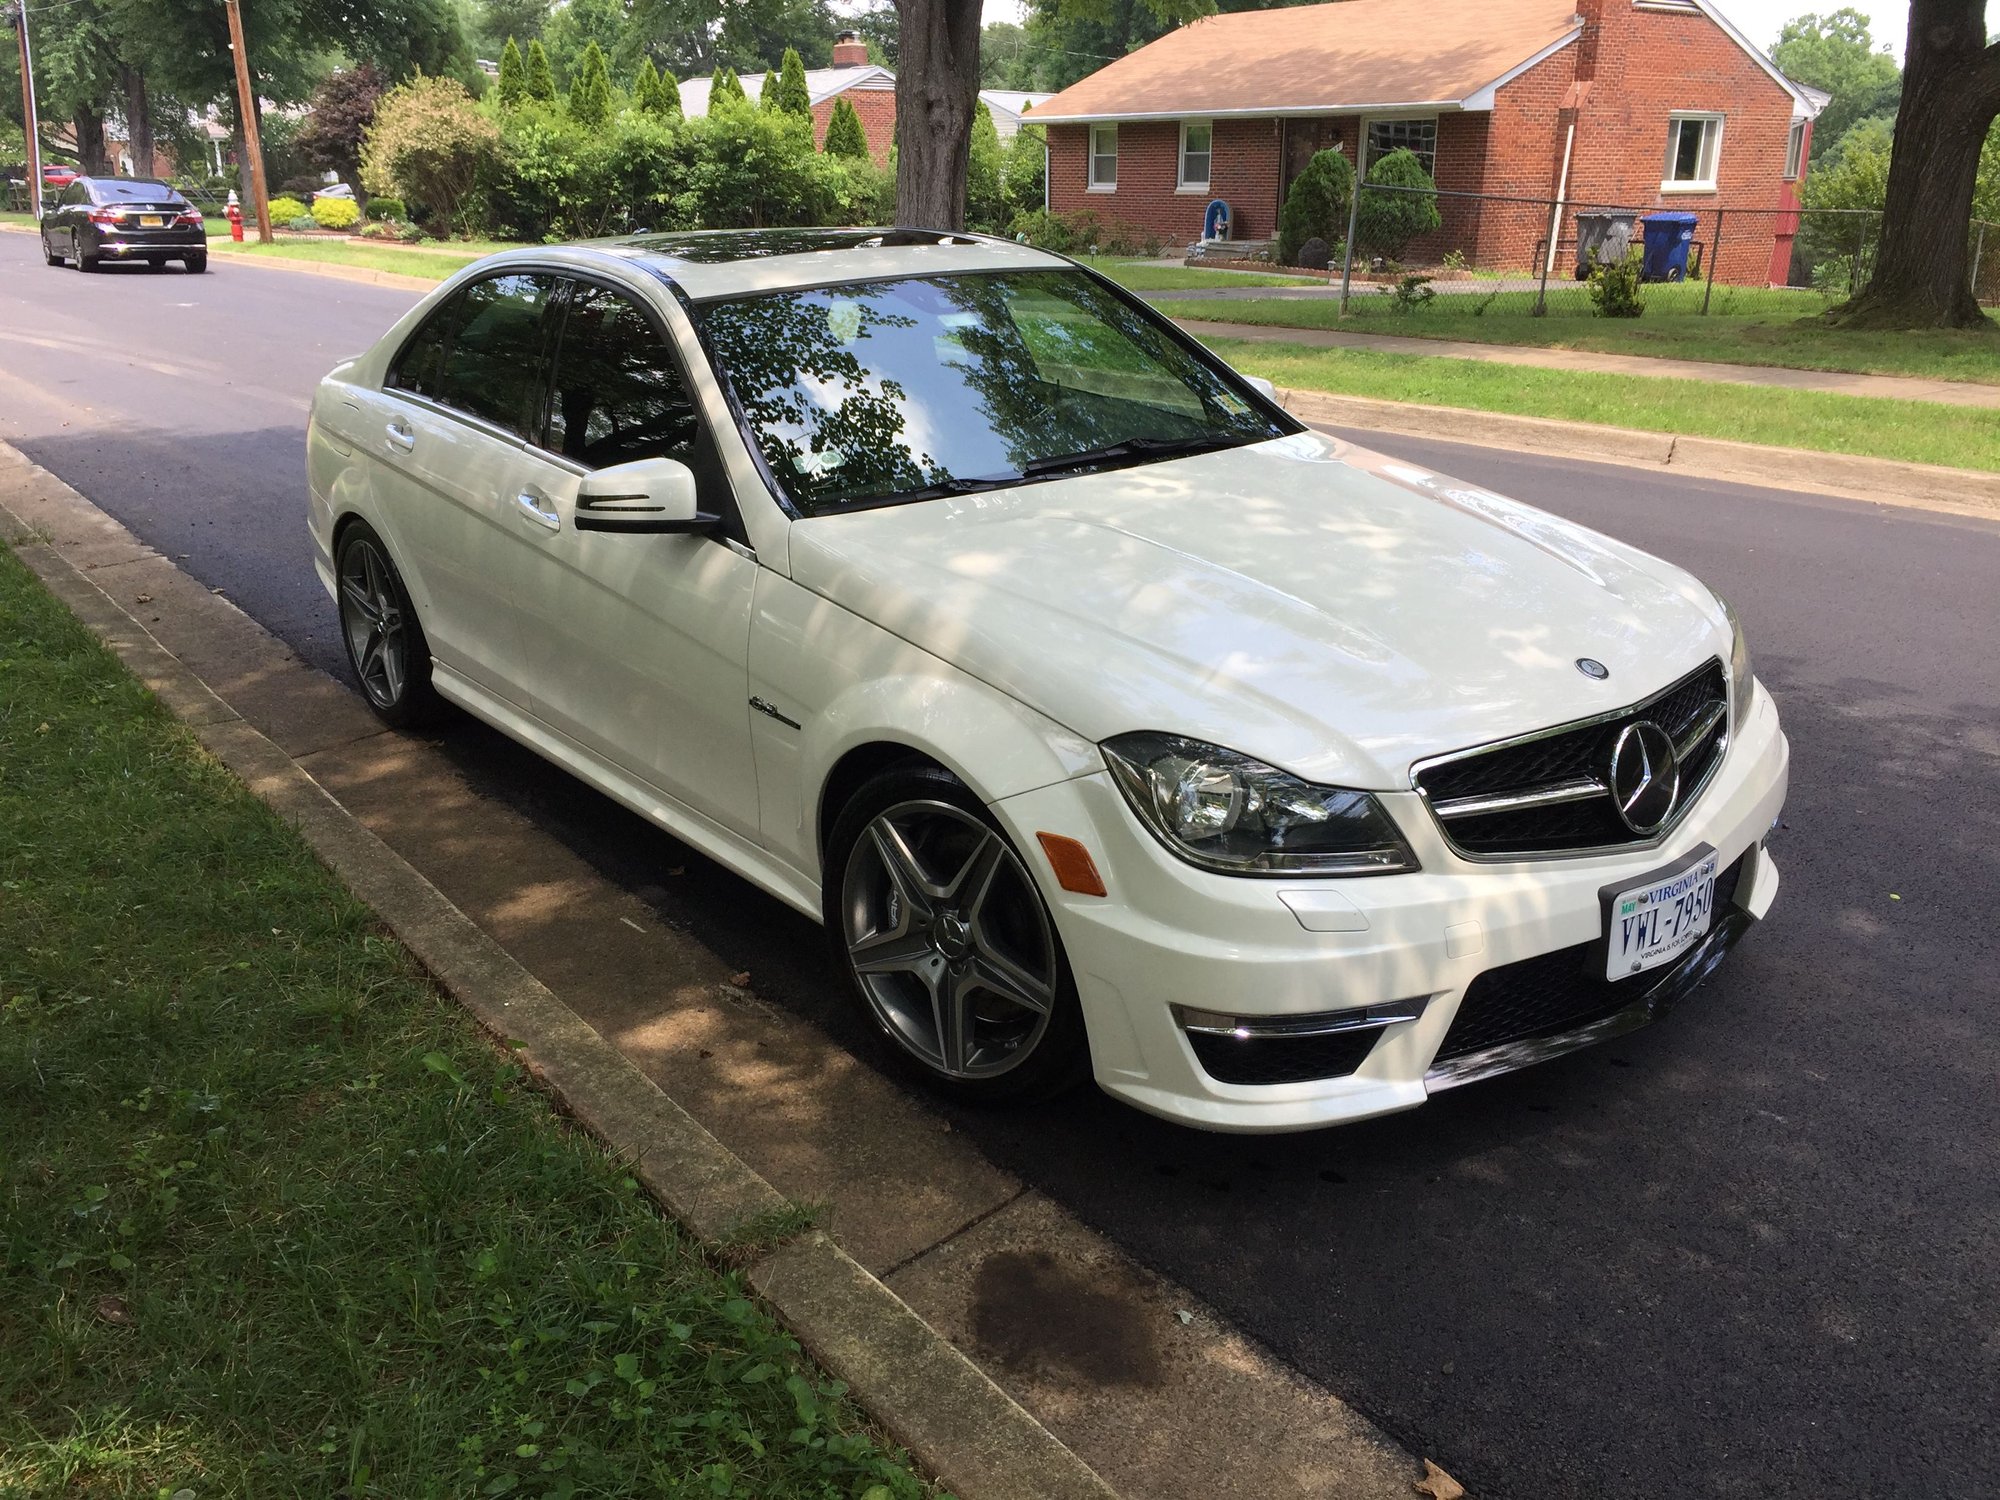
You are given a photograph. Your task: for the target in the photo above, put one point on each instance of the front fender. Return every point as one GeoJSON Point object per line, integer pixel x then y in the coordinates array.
{"type": "Point", "coordinates": [842, 684]}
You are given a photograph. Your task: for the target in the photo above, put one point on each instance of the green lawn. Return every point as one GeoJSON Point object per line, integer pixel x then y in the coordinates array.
{"type": "Point", "coordinates": [1170, 276]}
{"type": "Point", "coordinates": [274, 1218]}
{"type": "Point", "coordinates": [1748, 326]}
{"type": "Point", "coordinates": [399, 259]}
{"type": "Point", "coordinates": [7, 216]}
{"type": "Point", "coordinates": [1921, 432]}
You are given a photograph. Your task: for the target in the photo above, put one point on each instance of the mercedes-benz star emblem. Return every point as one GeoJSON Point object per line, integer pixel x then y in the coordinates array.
{"type": "Point", "coordinates": [1591, 667]}
{"type": "Point", "coordinates": [1645, 776]}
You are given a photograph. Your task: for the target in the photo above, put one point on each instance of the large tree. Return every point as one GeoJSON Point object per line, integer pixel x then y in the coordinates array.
{"type": "Point", "coordinates": [1835, 52]}
{"type": "Point", "coordinates": [1951, 94]}
{"type": "Point", "coordinates": [936, 88]}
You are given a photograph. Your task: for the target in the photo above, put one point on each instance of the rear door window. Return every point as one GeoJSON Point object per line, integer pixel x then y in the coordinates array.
{"type": "Point", "coordinates": [617, 394]}
{"type": "Point", "coordinates": [481, 352]}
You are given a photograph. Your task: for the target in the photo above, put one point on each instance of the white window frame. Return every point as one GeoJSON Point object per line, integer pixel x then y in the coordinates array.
{"type": "Point", "coordinates": [1090, 178]}
{"type": "Point", "coordinates": [1182, 182]}
{"type": "Point", "coordinates": [1368, 124]}
{"type": "Point", "coordinates": [1795, 151]}
{"type": "Point", "coordinates": [1711, 154]}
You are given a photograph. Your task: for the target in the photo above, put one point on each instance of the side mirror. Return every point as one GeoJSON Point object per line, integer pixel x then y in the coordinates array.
{"type": "Point", "coordinates": [647, 497]}
{"type": "Point", "coordinates": [1261, 386]}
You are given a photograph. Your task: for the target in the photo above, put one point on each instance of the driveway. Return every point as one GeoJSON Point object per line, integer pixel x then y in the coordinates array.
{"type": "Point", "coordinates": [1750, 1251]}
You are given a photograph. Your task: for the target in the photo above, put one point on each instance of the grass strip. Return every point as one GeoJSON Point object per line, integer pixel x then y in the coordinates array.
{"type": "Point", "coordinates": [1165, 276]}
{"type": "Point", "coordinates": [429, 265]}
{"type": "Point", "coordinates": [1785, 337]}
{"type": "Point", "coordinates": [274, 1219]}
{"type": "Point", "coordinates": [1915, 431]}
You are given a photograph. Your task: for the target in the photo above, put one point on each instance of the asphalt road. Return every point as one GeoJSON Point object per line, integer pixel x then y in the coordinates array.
{"type": "Point", "coordinates": [1750, 1251]}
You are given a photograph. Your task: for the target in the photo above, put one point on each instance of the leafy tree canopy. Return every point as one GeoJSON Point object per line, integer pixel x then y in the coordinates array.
{"type": "Point", "coordinates": [1834, 52]}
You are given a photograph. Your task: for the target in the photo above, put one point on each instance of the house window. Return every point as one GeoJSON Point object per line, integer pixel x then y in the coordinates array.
{"type": "Point", "coordinates": [1795, 148]}
{"type": "Point", "coordinates": [1694, 142]}
{"type": "Point", "coordinates": [1417, 136]}
{"type": "Point", "coordinates": [1197, 149]}
{"type": "Point", "coordinates": [1103, 158]}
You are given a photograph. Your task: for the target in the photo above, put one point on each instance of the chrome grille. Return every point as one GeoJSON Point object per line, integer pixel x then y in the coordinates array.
{"type": "Point", "coordinates": [1549, 792]}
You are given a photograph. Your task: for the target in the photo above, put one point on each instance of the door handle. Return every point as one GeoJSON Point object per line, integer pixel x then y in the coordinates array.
{"type": "Point", "coordinates": [535, 505]}
{"type": "Point", "coordinates": [400, 435]}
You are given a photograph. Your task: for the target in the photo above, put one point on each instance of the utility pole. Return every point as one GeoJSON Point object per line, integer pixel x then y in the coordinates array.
{"type": "Point", "coordinates": [30, 125]}
{"type": "Point", "coordinates": [246, 111]}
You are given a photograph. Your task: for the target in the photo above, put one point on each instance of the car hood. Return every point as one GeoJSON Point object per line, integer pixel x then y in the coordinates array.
{"type": "Point", "coordinates": [1324, 608]}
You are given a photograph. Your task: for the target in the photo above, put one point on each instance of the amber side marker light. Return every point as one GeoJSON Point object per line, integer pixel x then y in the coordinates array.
{"type": "Point", "coordinates": [1075, 869]}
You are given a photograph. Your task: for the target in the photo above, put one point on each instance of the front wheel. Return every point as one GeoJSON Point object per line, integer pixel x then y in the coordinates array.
{"type": "Point", "coordinates": [385, 644]}
{"type": "Point", "coordinates": [947, 943]}
{"type": "Point", "coordinates": [49, 255]}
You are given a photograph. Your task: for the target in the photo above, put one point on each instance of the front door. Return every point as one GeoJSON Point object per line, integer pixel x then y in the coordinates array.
{"type": "Point", "coordinates": [633, 647]}
{"type": "Point", "coordinates": [1304, 139]}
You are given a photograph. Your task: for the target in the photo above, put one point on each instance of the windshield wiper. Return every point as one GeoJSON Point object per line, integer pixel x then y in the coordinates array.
{"type": "Point", "coordinates": [1132, 447]}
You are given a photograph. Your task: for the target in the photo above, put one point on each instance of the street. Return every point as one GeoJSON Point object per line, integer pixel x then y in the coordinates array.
{"type": "Point", "coordinates": [1749, 1251]}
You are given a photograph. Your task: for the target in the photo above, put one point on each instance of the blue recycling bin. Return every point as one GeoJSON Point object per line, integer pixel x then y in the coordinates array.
{"type": "Point", "coordinates": [1668, 237]}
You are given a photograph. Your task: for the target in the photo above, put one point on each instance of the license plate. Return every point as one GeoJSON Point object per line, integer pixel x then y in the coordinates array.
{"type": "Point", "coordinates": [151, 221]}
{"type": "Point", "coordinates": [1655, 923]}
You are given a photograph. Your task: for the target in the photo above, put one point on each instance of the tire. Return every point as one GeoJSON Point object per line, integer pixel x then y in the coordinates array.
{"type": "Point", "coordinates": [49, 255]}
{"type": "Point", "coordinates": [385, 643]}
{"type": "Point", "coordinates": [85, 261]}
{"type": "Point", "coordinates": [195, 264]}
{"type": "Point", "coordinates": [947, 944]}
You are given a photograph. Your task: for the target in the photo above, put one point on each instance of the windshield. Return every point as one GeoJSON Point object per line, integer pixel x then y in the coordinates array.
{"type": "Point", "coordinates": [906, 389]}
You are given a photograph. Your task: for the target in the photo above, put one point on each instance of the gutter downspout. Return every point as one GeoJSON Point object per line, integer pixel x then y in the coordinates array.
{"type": "Point", "coordinates": [1562, 191]}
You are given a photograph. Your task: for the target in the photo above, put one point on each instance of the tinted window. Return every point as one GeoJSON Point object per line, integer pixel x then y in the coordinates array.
{"type": "Point", "coordinates": [130, 190]}
{"type": "Point", "coordinates": [617, 394]}
{"type": "Point", "coordinates": [901, 389]}
{"type": "Point", "coordinates": [71, 194]}
{"type": "Point", "coordinates": [481, 352]}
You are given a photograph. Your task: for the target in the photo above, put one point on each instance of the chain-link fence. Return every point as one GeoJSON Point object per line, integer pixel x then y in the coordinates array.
{"type": "Point", "coordinates": [1445, 255]}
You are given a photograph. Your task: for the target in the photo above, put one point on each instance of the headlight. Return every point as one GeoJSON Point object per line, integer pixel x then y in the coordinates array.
{"type": "Point", "coordinates": [1227, 812]}
{"type": "Point", "coordinates": [1740, 678]}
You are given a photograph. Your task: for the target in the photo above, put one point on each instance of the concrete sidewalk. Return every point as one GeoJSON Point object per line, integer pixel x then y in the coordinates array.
{"type": "Point", "coordinates": [1833, 382]}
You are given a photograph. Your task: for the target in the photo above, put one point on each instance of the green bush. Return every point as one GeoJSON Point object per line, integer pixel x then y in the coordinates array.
{"type": "Point", "coordinates": [1614, 286]}
{"type": "Point", "coordinates": [844, 133]}
{"type": "Point", "coordinates": [1024, 169]}
{"type": "Point", "coordinates": [304, 223]}
{"type": "Point", "coordinates": [1389, 221]}
{"type": "Point", "coordinates": [336, 213]}
{"type": "Point", "coordinates": [386, 209]}
{"type": "Point", "coordinates": [430, 142]}
{"type": "Point", "coordinates": [985, 203]}
{"type": "Point", "coordinates": [1316, 206]}
{"type": "Point", "coordinates": [285, 209]}
{"type": "Point", "coordinates": [590, 91]}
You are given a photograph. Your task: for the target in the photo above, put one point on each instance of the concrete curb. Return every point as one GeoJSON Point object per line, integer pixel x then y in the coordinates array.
{"type": "Point", "coordinates": [956, 1423]}
{"type": "Point", "coordinates": [1884, 481]}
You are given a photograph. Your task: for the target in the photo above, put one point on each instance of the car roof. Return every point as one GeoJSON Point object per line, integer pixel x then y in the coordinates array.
{"type": "Point", "coordinates": [732, 263]}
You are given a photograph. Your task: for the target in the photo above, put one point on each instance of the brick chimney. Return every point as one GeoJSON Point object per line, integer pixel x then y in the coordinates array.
{"type": "Point", "coordinates": [849, 51]}
{"type": "Point", "coordinates": [1590, 14]}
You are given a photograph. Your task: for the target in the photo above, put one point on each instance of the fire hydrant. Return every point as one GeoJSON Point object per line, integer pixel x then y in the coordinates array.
{"type": "Point", "coordinates": [234, 213]}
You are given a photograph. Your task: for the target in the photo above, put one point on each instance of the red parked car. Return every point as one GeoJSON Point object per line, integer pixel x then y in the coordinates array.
{"type": "Point", "coordinates": [56, 177]}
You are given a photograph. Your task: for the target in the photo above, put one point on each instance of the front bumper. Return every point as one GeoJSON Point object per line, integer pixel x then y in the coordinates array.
{"type": "Point", "coordinates": [1170, 935]}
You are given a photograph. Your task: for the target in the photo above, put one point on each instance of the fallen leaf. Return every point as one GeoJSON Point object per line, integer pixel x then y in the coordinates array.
{"type": "Point", "coordinates": [143, 599]}
{"type": "Point", "coordinates": [1184, 1315]}
{"type": "Point", "coordinates": [741, 981]}
{"type": "Point", "coordinates": [113, 1310]}
{"type": "Point", "coordinates": [1438, 1484]}
{"type": "Point", "coordinates": [43, 727]}
{"type": "Point", "coordinates": [1894, 897]}
{"type": "Point", "coordinates": [678, 870]}
{"type": "Point", "coordinates": [215, 591]}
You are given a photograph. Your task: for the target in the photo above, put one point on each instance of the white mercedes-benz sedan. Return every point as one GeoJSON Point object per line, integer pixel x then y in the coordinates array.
{"type": "Point", "coordinates": [1112, 721]}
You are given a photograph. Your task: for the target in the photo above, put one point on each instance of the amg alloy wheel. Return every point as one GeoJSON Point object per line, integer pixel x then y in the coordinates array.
{"type": "Point", "coordinates": [949, 944]}
{"type": "Point", "coordinates": [385, 645]}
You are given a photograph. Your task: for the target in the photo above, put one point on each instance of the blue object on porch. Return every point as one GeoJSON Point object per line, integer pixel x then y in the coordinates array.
{"type": "Point", "coordinates": [1667, 239]}
{"type": "Point", "coordinates": [1215, 223]}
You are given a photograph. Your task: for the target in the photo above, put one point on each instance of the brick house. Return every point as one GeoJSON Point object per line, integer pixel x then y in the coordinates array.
{"type": "Point", "coordinates": [1640, 104]}
{"type": "Point", "coordinates": [869, 87]}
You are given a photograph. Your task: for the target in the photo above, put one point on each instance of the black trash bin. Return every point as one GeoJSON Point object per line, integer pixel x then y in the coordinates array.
{"type": "Point", "coordinates": [1601, 238]}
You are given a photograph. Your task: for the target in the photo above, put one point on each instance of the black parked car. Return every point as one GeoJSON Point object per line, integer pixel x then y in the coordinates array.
{"type": "Point", "coordinates": [97, 219]}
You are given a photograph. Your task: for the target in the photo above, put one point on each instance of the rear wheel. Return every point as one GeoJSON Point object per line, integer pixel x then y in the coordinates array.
{"type": "Point", "coordinates": [196, 263]}
{"type": "Point", "coordinates": [385, 644]}
{"type": "Point", "coordinates": [85, 261]}
{"type": "Point", "coordinates": [948, 944]}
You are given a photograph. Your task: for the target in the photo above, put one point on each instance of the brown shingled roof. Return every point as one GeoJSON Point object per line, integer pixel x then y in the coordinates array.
{"type": "Point", "coordinates": [1316, 57]}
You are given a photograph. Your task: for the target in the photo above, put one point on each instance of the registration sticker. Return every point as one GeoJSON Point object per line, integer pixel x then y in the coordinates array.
{"type": "Point", "coordinates": [1656, 922]}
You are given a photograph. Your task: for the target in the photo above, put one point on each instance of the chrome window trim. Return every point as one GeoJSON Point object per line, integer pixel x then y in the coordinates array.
{"type": "Point", "coordinates": [1654, 840]}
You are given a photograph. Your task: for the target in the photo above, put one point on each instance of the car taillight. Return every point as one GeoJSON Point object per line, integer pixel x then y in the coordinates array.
{"type": "Point", "coordinates": [103, 216]}
{"type": "Point", "coordinates": [192, 216]}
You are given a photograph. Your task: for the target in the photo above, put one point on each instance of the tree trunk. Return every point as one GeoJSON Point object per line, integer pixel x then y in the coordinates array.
{"type": "Point", "coordinates": [89, 123]}
{"type": "Point", "coordinates": [937, 86]}
{"type": "Point", "coordinates": [1951, 93]}
{"type": "Point", "coordinates": [138, 121]}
